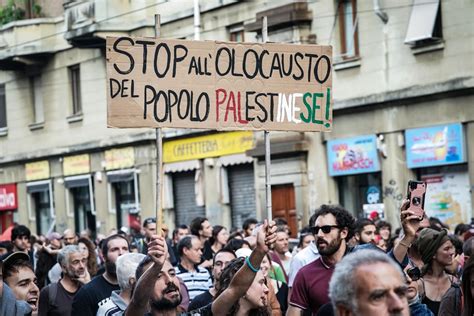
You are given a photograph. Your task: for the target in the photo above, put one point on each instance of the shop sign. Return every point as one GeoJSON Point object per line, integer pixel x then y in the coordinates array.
{"type": "Point", "coordinates": [370, 208]}
{"type": "Point", "coordinates": [353, 155]}
{"type": "Point", "coordinates": [78, 164]}
{"type": "Point", "coordinates": [448, 197]}
{"type": "Point", "coordinates": [8, 197]}
{"type": "Point", "coordinates": [119, 158]}
{"type": "Point", "coordinates": [208, 146]}
{"type": "Point", "coordinates": [373, 195]}
{"type": "Point", "coordinates": [37, 170]}
{"type": "Point", "coordinates": [435, 146]}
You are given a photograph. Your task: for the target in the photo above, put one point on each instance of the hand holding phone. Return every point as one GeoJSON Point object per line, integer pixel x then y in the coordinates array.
{"type": "Point", "coordinates": [416, 195]}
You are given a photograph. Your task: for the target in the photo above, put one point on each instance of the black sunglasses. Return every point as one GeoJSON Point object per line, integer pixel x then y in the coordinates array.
{"type": "Point", "coordinates": [414, 273]}
{"type": "Point", "coordinates": [326, 229]}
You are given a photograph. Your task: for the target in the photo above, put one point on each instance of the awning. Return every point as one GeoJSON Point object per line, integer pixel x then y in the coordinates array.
{"type": "Point", "coordinates": [37, 187]}
{"type": "Point", "coordinates": [181, 166]}
{"type": "Point", "coordinates": [232, 160]}
{"type": "Point", "coordinates": [422, 20]}
{"type": "Point", "coordinates": [75, 182]}
{"type": "Point", "coordinates": [120, 176]}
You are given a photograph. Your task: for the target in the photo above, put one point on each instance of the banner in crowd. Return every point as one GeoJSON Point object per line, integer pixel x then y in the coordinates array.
{"type": "Point", "coordinates": [218, 85]}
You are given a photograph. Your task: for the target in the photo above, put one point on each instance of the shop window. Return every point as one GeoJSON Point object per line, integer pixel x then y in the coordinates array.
{"type": "Point", "coordinates": [40, 205]}
{"type": "Point", "coordinates": [348, 22]}
{"type": "Point", "coordinates": [80, 202]}
{"type": "Point", "coordinates": [37, 103]}
{"type": "Point", "coordinates": [3, 111]}
{"type": "Point", "coordinates": [75, 80]}
{"type": "Point", "coordinates": [123, 196]}
{"type": "Point", "coordinates": [355, 191]}
{"type": "Point", "coordinates": [424, 26]}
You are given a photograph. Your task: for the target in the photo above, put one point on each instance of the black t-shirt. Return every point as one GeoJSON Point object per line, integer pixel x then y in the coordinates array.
{"type": "Point", "coordinates": [203, 311]}
{"type": "Point", "coordinates": [207, 251]}
{"type": "Point", "coordinates": [55, 302]}
{"type": "Point", "coordinates": [86, 301]}
{"type": "Point", "coordinates": [201, 300]}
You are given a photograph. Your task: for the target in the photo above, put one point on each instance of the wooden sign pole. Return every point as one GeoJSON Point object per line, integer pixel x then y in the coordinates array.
{"type": "Point", "coordinates": [266, 136]}
{"type": "Point", "coordinates": [159, 157]}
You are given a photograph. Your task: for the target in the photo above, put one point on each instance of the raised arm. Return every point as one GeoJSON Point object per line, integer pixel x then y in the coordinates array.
{"type": "Point", "coordinates": [410, 224]}
{"type": "Point", "coordinates": [158, 251]}
{"type": "Point", "coordinates": [243, 279]}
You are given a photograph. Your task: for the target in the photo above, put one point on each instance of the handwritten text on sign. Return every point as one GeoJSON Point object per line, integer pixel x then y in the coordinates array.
{"type": "Point", "coordinates": [218, 85]}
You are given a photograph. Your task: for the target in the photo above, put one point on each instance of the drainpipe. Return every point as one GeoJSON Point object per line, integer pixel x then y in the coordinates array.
{"type": "Point", "coordinates": [382, 15]}
{"type": "Point", "coordinates": [197, 20]}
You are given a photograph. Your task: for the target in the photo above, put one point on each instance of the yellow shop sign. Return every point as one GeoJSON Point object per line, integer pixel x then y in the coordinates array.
{"type": "Point", "coordinates": [78, 164]}
{"type": "Point", "coordinates": [37, 170]}
{"type": "Point", "coordinates": [208, 146]}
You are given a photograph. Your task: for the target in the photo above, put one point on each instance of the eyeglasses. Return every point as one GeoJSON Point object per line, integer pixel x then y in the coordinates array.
{"type": "Point", "coordinates": [326, 229]}
{"type": "Point", "coordinates": [414, 273]}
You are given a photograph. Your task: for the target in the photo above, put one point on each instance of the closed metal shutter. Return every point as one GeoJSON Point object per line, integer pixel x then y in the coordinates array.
{"type": "Point", "coordinates": [242, 193]}
{"type": "Point", "coordinates": [185, 199]}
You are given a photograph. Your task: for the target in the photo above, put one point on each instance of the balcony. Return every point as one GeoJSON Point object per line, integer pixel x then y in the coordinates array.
{"type": "Point", "coordinates": [88, 22]}
{"type": "Point", "coordinates": [30, 42]}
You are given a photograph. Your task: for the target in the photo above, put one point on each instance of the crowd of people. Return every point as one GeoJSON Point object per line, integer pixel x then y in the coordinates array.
{"type": "Point", "coordinates": [340, 266]}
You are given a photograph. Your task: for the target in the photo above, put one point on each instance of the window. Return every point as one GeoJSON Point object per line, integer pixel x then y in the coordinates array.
{"type": "Point", "coordinates": [3, 110]}
{"type": "Point", "coordinates": [348, 21]}
{"type": "Point", "coordinates": [237, 34]}
{"type": "Point", "coordinates": [80, 202]}
{"type": "Point", "coordinates": [424, 27]}
{"type": "Point", "coordinates": [123, 199]}
{"type": "Point", "coordinates": [75, 79]}
{"type": "Point", "coordinates": [37, 102]}
{"type": "Point", "coordinates": [356, 192]}
{"type": "Point", "coordinates": [40, 205]}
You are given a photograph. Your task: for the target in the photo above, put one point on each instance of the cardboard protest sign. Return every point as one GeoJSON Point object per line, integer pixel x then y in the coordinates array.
{"type": "Point", "coordinates": [218, 85]}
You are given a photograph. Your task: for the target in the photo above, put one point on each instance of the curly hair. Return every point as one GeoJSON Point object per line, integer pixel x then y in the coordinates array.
{"type": "Point", "coordinates": [343, 217]}
{"type": "Point", "coordinates": [92, 259]}
{"type": "Point", "coordinates": [224, 282]}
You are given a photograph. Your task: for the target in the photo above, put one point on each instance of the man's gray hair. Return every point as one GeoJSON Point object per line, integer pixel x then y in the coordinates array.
{"type": "Point", "coordinates": [342, 287]}
{"type": "Point", "coordinates": [126, 266]}
{"type": "Point", "coordinates": [65, 253]}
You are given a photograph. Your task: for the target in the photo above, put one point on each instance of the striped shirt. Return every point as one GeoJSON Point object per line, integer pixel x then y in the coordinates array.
{"type": "Point", "coordinates": [112, 306]}
{"type": "Point", "coordinates": [197, 282]}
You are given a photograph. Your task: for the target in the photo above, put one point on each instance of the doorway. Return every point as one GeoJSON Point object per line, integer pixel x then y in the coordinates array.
{"type": "Point", "coordinates": [284, 206]}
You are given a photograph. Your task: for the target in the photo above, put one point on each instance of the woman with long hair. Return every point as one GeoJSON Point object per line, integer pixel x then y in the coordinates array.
{"type": "Point", "coordinates": [242, 286]}
{"type": "Point", "coordinates": [219, 238]}
{"type": "Point", "coordinates": [276, 284]}
{"type": "Point", "coordinates": [86, 245]}
{"type": "Point", "coordinates": [437, 252]}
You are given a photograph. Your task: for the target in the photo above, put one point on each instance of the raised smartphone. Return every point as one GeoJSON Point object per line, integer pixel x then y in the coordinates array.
{"type": "Point", "coordinates": [416, 194]}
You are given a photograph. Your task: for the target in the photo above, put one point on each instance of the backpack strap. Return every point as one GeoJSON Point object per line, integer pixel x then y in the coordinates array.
{"type": "Point", "coordinates": [52, 293]}
{"type": "Point", "coordinates": [457, 298]}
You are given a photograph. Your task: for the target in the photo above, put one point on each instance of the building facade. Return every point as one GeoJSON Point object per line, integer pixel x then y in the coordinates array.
{"type": "Point", "coordinates": [403, 109]}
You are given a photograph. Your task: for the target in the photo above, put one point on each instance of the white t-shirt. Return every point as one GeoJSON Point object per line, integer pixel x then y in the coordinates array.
{"type": "Point", "coordinates": [302, 258]}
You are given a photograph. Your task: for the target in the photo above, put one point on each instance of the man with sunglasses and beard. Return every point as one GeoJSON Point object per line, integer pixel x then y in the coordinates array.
{"type": "Point", "coordinates": [86, 301]}
{"type": "Point", "coordinates": [158, 287]}
{"type": "Point", "coordinates": [333, 228]}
